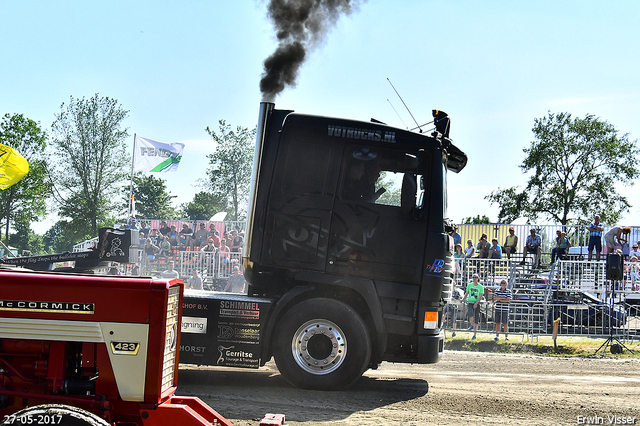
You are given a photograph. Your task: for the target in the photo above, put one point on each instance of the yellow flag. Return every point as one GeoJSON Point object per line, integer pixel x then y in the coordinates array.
{"type": "Point", "coordinates": [13, 166]}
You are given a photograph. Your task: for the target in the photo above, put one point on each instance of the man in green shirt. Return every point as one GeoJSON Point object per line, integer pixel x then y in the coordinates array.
{"type": "Point", "coordinates": [473, 294]}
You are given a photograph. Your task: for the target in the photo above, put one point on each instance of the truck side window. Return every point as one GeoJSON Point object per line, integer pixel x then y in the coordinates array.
{"type": "Point", "coordinates": [360, 180]}
{"type": "Point", "coordinates": [373, 176]}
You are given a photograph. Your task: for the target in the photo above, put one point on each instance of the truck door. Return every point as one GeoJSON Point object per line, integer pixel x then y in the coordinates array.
{"type": "Point", "coordinates": [301, 197]}
{"type": "Point", "coordinates": [370, 235]}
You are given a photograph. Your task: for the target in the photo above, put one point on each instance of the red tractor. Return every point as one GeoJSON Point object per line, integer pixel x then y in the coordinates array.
{"type": "Point", "coordinates": [98, 350]}
{"type": "Point", "coordinates": [80, 349]}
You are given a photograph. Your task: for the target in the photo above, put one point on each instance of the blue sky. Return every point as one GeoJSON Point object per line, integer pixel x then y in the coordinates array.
{"type": "Point", "coordinates": [180, 67]}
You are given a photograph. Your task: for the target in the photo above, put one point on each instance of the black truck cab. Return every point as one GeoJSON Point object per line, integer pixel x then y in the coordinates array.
{"type": "Point", "coordinates": [348, 233]}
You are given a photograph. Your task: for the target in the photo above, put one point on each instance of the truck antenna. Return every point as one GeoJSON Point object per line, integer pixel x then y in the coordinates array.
{"type": "Point", "coordinates": [405, 125]}
{"type": "Point", "coordinates": [405, 105]}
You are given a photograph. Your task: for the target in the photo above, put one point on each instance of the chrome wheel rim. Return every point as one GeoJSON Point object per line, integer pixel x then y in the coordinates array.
{"type": "Point", "coordinates": [319, 346]}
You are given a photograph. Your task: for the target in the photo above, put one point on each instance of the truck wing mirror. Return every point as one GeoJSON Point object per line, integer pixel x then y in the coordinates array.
{"type": "Point", "coordinates": [408, 195]}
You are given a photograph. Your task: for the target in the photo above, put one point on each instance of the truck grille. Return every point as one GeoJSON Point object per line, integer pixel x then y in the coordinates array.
{"type": "Point", "coordinates": [171, 336]}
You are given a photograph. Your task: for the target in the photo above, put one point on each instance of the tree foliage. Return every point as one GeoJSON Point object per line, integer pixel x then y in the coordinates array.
{"type": "Point", "coordinates": [230, 165]}
{"type": "Point", "coordinates": [25, 201]}
{"type": "Point", "coordinates": [153, 201]}
{"type": "Point", "coordinates": [91, 157]}
{"type": "Point", "coordinates": [478, 220]}
{"type": "Point", "coordinates": [24, 239]}
{"type": "Point", "coordinates": [52, 240]}
{"type": "Point", "coordinates": [61, 237]}
{"type": "Point", "coordinates": [204, 205]}
{"type": "Point", "coordinates": [576, 164]}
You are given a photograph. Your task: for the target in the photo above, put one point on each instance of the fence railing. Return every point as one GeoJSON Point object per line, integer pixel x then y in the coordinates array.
{"type": "Point", "coordinates": [215, 265]}
{"type": "Point", "coordinates": [536, 318]}
{"type": "Point", "coordinates": [583, 276]}
{"type": "Point", "coordinates": [492, 271]}
{"type": "Point", "coordinates": [210, 265]}
{"type": "Point", "coordinates": [577, 292]}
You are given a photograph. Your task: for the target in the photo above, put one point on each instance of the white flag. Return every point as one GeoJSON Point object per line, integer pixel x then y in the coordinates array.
{"type": "Point", "coordinates": [153, 156]}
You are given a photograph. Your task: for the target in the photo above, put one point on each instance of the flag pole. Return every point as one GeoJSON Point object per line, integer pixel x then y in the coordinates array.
{"type": "Point", "coordinates": [133, 161]}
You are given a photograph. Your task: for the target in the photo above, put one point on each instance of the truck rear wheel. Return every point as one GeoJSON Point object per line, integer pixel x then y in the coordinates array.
{"type": "Point", "coordinates": [321, 344]}
{"type": "Point", "coordinates": [54, 414]}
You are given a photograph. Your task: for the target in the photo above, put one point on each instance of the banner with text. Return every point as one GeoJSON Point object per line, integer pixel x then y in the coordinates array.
{"type": "Point", "coordinates": [154, 156]}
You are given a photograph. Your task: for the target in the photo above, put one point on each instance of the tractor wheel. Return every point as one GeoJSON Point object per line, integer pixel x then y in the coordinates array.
{"type": "Point", "coordinates": [55, 414]}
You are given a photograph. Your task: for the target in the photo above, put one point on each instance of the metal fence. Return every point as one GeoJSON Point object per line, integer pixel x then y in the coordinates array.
{"type": "Point", "coordinates": [215, 265]}
{"type": "Point", "coordinates": [576, 292]}
{"type": "Point", "coordinates": [209, 264]}
{"type": "Point", "coordinates": [536, 318]}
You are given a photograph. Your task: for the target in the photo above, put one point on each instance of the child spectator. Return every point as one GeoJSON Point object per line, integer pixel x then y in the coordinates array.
{"type": "Point", "coordinates": [165, 246]}
{"type": "Point", "coordinates": [469, 250]}
{"type": "Point", "coordinates": [495, 252]}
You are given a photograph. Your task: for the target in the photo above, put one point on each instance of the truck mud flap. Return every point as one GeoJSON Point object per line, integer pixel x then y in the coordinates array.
{"type": "Point", "coordinates": [430, 348]}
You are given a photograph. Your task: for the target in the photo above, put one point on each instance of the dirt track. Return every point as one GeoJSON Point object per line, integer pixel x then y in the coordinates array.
{"type": "Point", "coordinates": [465, 388]}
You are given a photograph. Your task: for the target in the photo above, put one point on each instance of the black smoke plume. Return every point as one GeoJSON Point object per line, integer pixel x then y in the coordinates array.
{"type": "Point", "coordinates": [300, 25]}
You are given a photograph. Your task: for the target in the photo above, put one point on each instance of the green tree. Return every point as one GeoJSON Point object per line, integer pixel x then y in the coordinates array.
{"type": "Point", "coordinates": [26, 200]}
{"type": "Point", "coordinates": [230, 165]}
{"type": "Point", "coordinates": [575, 165]}
{"type": "Point", "coordinates": [153, 201]}
{"type": "Point", "coordinates": [478, 220]}
{"type": "Point", "coordinates": [92, 161]}
{"type": "Point", "coordinates": [25, 239]}
{"type": "Point", "coordinates": [52, 238]}
{"type": "Point", "coordinates": [204, 205]}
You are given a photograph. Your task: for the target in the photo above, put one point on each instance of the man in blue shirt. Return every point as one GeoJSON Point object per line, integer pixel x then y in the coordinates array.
{"type": "Point", "coordinates": [457, 238]}
{"type": "Point", "coordinates": [533, 245]}
{"type": "Point", "coordinates": [595, 237]}
{"type": "Point", "coordinates": [495, 252]}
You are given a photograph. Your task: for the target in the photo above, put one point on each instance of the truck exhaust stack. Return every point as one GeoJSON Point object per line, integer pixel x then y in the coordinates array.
{"type": "Point", "coordinates": [263, 117]}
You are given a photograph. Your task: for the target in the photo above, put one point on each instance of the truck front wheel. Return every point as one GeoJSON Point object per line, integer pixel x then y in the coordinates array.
{"type": "Point", "coordinates": [321, 344]}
